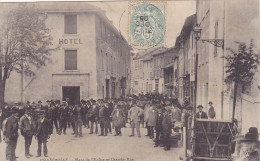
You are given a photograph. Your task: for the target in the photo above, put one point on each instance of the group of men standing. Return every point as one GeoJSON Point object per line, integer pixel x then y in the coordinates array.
{"type": "Point", "coordinates": [160, 115]}
{"type": "Point", "coordinates": [33, 122]}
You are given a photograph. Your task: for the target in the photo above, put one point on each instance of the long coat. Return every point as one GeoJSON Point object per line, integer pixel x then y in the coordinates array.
{"type": "Point", "coordinates": [152, 114]}
{"type": "Point", "coordinates": [166, 123]}
{"type": "Point", "coordinates": [118, 118]}
{"type": "Point", "coordinates": [26, 126]}
{"type": "Point", "coordinates": [43, 128]}
{"type": "Point", "coordinates": [93, 113]}
{"type": "Point", "coordinates": [146, 112]}
{"type": "Point", "coordinates": [135, 113]}
{"type": "Point", "coordinates": [11, 128]}
{"type": "Point", "coordinates": [159, 120]}
{"type": "Point", "coordinates": [2, 117]}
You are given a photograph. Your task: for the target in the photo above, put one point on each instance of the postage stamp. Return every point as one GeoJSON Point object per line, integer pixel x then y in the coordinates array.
{"type": "Point", "coordinates": [146, 24]}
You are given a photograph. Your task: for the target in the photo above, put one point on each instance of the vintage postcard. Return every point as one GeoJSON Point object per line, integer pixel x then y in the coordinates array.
{"type": "Point", "coordinates": [130, 80]}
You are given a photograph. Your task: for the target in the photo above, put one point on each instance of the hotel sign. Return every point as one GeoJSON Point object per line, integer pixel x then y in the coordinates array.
{"type": "Point", "coordinates": [70, 41]}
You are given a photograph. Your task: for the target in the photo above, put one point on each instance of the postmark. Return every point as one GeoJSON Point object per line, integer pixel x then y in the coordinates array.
{"type": "Point", "coordinates": [146, 25]}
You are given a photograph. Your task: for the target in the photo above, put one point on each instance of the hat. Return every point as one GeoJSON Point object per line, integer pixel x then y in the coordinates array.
{"type": "Point", "coordinates": [48, 101]}
{"type": "Point", "coordinates": [252, 134]}
{"type": "Point", "coordinates": [210, 102]}
{"type": "Point", "coordinates": [57, 101]}
{"type": "Point", "coordinates": [28, 102]}
{"type": "Point", "coordinates": [39, 101]}
{"type": "Point", "coordinates": [200, 106]}
{"type": "Point", "coordinates": [33, 103]}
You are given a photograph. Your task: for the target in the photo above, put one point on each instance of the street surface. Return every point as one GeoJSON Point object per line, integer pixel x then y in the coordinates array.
{"type": "Point", "coordinates": [92, 147]}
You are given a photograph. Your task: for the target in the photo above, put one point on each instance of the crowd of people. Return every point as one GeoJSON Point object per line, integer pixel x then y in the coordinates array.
{"type": "Point", "coordinates": [158, 114]}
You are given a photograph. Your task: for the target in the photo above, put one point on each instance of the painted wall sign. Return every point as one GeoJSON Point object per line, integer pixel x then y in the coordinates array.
{"type": "Point", "coordinates": [70, 41]}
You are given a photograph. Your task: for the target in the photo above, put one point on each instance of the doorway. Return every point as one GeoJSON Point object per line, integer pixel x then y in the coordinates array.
{"type": "Point", "coordinates": [71, 92]}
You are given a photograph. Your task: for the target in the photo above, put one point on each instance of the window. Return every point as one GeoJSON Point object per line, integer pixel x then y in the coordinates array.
{"type": "Point", "coordinates": [70, 24]}
{"type": "Point", "coordinates": [136, 83]}
{"type": "Point", "coordinates": [70, 59]}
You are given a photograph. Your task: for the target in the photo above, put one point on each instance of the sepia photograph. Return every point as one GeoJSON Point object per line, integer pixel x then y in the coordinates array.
{"type": "Point", "coordinates": [118, 80]}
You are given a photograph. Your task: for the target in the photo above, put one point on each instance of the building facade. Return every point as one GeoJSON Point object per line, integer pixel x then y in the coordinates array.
{"type": "Point", "coordinates": [221, 20]}
{"type": "Point", "coordinates": [92, 61]}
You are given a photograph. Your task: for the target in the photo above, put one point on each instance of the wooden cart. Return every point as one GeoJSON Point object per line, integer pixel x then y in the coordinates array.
{"type": "Point", "coordinates": [209, 140]}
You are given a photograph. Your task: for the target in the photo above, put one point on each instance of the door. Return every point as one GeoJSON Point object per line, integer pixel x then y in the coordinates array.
{"type": "Point", "coordinates": [71, 92]}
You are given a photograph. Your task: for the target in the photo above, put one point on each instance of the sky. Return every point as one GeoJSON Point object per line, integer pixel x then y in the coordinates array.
{"type": "Point", "coordinates": [176, 13]}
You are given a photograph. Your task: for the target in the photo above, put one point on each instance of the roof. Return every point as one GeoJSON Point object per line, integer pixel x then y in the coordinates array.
{"type": "Point", "coordinates": [165, 50]}
{"type": "Point", "coordinates": [147, 52]}
{"type": "Point", "coordinates": [79, 7]}
{"type": "Point", "coordinates": [186, 29]}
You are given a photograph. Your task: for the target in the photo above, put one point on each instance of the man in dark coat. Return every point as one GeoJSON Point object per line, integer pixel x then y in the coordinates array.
{"type": "Point", "coordinates": [49, 111]}
{"type": "Point", "coordinates": [55, 115]}
{"type": "Point", "coordinates": [158, 128]}
{"type": "Point", "coordinates": [78, 113]}
{"type": "Point", "coordinates": [64, 115]}
{"type": "Point", "coordinates": [166, 126]}
{"type": "Point", "coordinates": [2, 117]}
{"type": "Point", "coordinates": [201, 114]}
{"type": "Point", "coordinates": [27, 130]}
{"type": "Point", "coordinates": [43, 134]}
{"type": "Point", "coordinates": [93, 117]}
{"type": "Point", "coordinates": [103, 119]}
{"type": "Point", "coordinates": [11, 134]}
{"type": "Point", "coordinates": [212, 113]}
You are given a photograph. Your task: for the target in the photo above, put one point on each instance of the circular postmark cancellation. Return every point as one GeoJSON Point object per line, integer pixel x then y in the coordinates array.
{"type": "Point", "coordinates": [146, 25]}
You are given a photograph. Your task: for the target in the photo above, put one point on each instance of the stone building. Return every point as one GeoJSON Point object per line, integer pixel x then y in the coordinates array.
{"type": "Point", "coordinates": [227, 22]}
{"type": "Point", "coordinates": [93, 59]}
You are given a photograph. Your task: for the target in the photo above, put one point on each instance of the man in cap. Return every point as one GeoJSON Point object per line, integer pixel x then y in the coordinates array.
{"type": "Point", "coordinates": [135, 113]}
{"type": "Point", "coordinates": [27, 130]}
{"type": "Point", "coordinates": [93, 117]}
{"type": "Point", "coordinates": [201, 114]}
{"type": "Point", "coordinates": [11, 134]}
{"type": "Point", "coordinates": [43, 133]}
{"type": "Point", "coordinates": [211, 113]}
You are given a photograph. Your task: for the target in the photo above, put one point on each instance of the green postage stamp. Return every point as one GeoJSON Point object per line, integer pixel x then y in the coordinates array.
{"type": "Point", "coordinates": [146, 24]}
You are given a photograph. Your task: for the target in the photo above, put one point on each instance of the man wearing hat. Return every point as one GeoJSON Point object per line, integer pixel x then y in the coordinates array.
{"type": "Point", "coordinates": [11, 134]}
{"type": "Point", "coordinates": [55, 114]}
{"type": "Point", "coordinates": [135, 113]}
{"type": "Point", "coordinates": [64, 115]}
{"type": "Point", "coordinates": [212, 113]}
{"type": "Point", "coordinates": [43, 133]}
{"type": "Point", "coordinates": [93, 117]}
{"type": "Point", "coordinates": [201, 114]}
{"type": "Point", "coordinates": [27, 130]}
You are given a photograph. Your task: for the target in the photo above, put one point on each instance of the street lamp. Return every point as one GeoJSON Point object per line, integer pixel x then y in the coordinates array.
{"type": "Point", "coordinates": [197, 32]}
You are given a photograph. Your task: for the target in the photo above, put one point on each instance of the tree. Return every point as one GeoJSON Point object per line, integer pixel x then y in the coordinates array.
{"type": "Point", "coordinates": [25, 43]}
{"type": "Point", "coordinates": [241, 66]}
